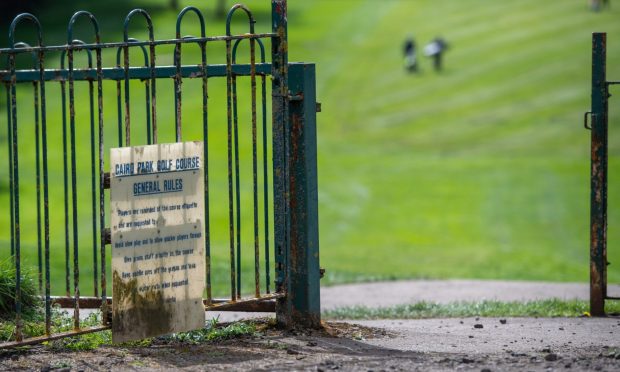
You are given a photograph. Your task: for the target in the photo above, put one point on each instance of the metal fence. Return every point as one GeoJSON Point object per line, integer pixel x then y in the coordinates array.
{"type": "Point", "coordinates": [599, 114]}
{"type": "Point", "coordinates": [281, 209]}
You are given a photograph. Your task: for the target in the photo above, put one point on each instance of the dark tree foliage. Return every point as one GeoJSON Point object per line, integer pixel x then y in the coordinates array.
{"type": "Point", "coordinates": [10, 8]}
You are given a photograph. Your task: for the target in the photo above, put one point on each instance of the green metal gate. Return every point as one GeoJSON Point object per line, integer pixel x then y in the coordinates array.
{"type": "Point", "coordinates": [282, 213]}
{"type": "Point", "coordinates": [599, 168]}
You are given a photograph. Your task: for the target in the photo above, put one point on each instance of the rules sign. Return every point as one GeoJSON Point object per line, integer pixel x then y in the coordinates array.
{"type": "Point", "coordinates": [157, 220]}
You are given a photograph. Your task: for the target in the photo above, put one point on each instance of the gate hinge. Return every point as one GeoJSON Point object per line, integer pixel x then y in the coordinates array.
{"type": "Point", "coordinates": [106, 180]}
{"type": "Point", "coordinates": [107, 236]}
{"type": "Point", "coordinates": [585, 120]}
{"type": "Point", "coordinates": [318, 107]}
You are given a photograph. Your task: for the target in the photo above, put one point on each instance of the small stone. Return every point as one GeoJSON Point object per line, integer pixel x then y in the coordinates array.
{"type": "Point", "coordinates": [292, 351]}
{"type": "Point", "coordinates": [546, 350]}
{"type": "Point", "coordinates": [467, 360]}
{"type": "Point", "coordinates": [561, 328]}
{"type": "Point", "coordinates": [312, 343]}
{"type": "Point", "coordinates": [478, 326]}
{"type": "Point", "coordinates": [551, 357]}
{"type": "Point", "coordinates": [568, 365]}
{"type": "Point", "coordinates": [470, 336]}
{"type": "Point", "coordinates": [503, 321]}
{"type": "Point", "coordinates": [485, 370]}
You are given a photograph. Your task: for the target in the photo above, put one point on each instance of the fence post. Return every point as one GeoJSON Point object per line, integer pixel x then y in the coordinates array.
{"type": "Point", "coordinates": [303, 307]}
{"type": "Point", "coordinates": [598, 180]}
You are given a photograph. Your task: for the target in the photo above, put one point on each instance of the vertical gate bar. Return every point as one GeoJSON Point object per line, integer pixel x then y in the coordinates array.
{"type": "Point", "coordinates": [65, 159]}
{"type": "Point", "coordinates": [237, 181]}
{"type": "Point", "coordinates": [119, 108]}
{"type": "Point", "coordinates": [14, 189]}
{"type": "Point", "coordinates": [94, 173]}
{"type": "Point", "coordinates": [127, 107]}
{"type": "Point", "coordinates": [147, 89]}
{"type": "Point", "coordinates": [205, 136]}
{"type": "Point", "coordinates": [9, 136]}
{"type": "Point", "coordinates": [265, 171]}
{"type": "Point", "coordinates": [231, 226]}
{"type": "Point", "coordinates": [279, 103]}
{"type": "Point", "coordinates": [153, 82]}
{"type": "Point", "coordinates": [598, 197]}
{"type": "Point", "coordinates": [76, 250]}
{"type": "Point", "coordinates": [46, 218]}
{"type": "Point", "coordinates": [35, 87]}
{"type": "Point", "coordinates": [102, 242]}
{"type": "Point", "coordinates": [178, 81]}
{"type": "Point", "coordinates": [254, 163]}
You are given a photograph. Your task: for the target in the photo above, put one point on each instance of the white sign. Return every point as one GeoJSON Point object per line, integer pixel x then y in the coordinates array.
{"type": "Point", "coordinates": [157, 218]}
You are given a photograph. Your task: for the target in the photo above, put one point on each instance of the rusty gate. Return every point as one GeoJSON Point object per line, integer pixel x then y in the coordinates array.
{"type": "Point", "coordinates": [599, 117]}
{"type": "Point", "coordinates": [58, 173]}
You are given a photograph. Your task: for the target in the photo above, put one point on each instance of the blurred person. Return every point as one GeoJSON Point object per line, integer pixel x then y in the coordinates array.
{"type": "Point", "coordinates": [595, 5]}
{"type": "Point", "coordinates": [435, 50]}
{"type": "Point", "coordinates": [411, 63]}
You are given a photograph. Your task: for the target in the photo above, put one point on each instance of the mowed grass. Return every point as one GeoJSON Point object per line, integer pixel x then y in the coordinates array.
{"type": "Point", "coordinates": [486, 308]}
{"type": "Point", "coordinates": [481, 171]}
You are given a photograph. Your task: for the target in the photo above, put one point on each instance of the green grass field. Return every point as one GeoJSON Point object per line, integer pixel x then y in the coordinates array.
{"type": "Point", "coordinates": [481, 171]}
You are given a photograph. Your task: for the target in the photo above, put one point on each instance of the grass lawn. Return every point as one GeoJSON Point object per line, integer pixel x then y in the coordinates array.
{"type": "Point", "coordinates": [481, 171]}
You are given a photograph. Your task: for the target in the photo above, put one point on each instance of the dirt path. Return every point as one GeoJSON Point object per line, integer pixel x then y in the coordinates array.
{"type": "Point", "coordinates": [428, 345]}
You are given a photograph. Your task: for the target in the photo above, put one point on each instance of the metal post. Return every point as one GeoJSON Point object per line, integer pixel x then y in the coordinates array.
{"type": "Point", "coordinates": [598, 181]}
{"type": "Point", "coordinates": [279, 91]}
{"type": "Point", "coordinates": [303, 291]}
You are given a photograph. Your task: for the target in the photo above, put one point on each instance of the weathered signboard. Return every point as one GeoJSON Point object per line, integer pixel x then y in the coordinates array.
{"type": "Point", "coordinates": [157, 219]}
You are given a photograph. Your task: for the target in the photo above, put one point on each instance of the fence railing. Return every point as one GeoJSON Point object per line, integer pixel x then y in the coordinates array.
{"type": "Point", "coordinates": [265, 177]}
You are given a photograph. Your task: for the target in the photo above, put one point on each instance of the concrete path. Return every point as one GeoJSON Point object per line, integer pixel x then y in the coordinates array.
{"type": "Point", "coordinates": [445, 291]}
{"type": "Point", "coordinates": [521, 335]}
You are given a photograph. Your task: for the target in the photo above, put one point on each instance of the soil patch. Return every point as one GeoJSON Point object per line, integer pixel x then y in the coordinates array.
{"type": "Point", "coordinates": [583, 344]}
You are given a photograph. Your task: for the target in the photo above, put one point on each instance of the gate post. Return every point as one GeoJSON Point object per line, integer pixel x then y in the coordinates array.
{"type": "Point", "coordinates": [598, 180]}
{"type": "Point", "coordinates": [294, 182]}
{"type": "Point", "coordinates": [303, 305]}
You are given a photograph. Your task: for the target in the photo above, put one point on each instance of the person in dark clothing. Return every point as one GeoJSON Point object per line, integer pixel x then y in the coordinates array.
{"type": "Point", "coordinates": [411, 63]}
{"type": "Point", "coordinates": [435, 50]}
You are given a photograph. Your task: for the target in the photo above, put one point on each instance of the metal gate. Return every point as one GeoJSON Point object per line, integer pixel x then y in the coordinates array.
{"type": "Point", "coordinates": [281, 209]}
{"type": "Point", "coordinates": [599, 114]}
